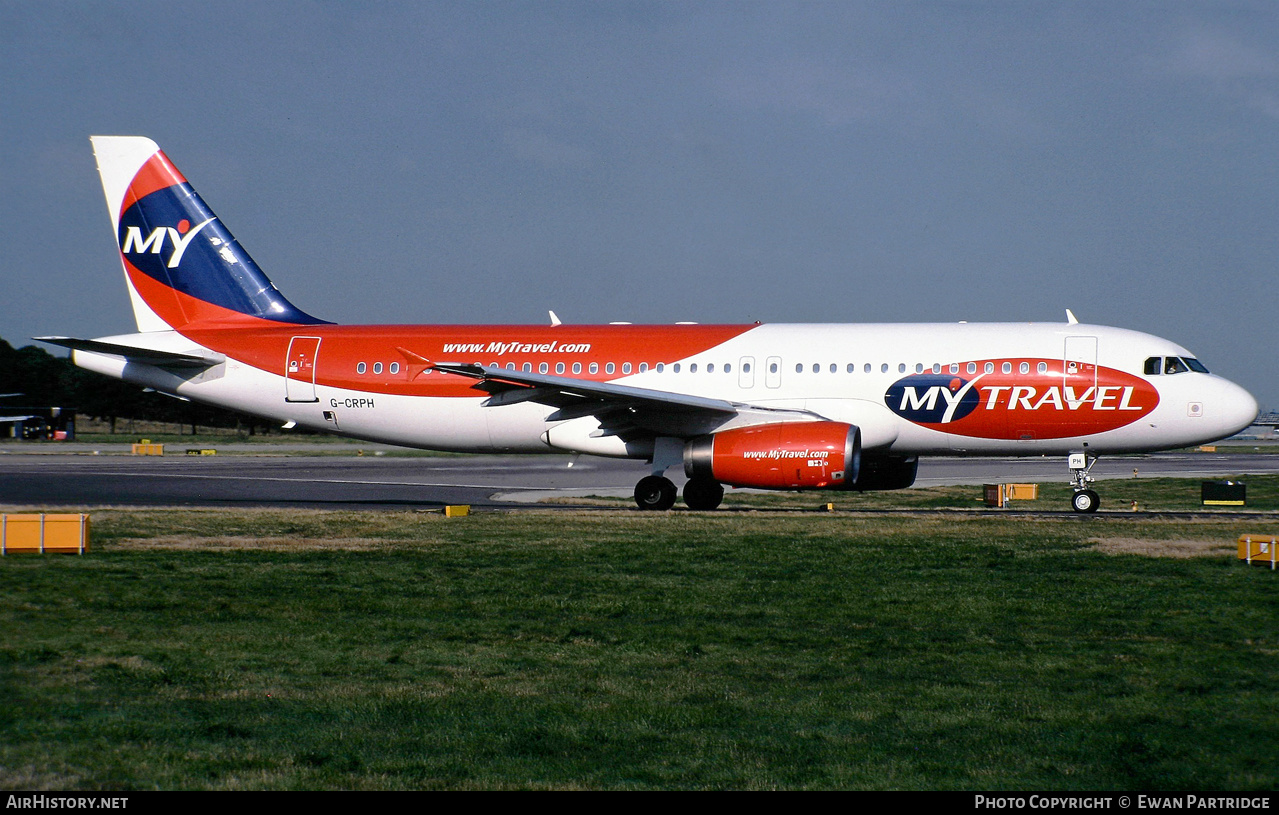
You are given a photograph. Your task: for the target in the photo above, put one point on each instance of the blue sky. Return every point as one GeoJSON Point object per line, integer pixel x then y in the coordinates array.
{"type": "Point", "coordinates": [653, 162]}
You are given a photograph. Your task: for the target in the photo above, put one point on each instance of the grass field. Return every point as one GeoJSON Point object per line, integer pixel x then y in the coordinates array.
{"type": "Point", "coordinates": [614, 649]}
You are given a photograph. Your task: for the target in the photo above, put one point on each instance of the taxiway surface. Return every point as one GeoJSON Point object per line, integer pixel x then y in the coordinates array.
{"type": "Point", "coordinates": [81, 478]}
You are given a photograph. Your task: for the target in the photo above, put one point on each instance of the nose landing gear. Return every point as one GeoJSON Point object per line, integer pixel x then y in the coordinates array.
{"type": "Point", "coordinates": [1084, 499]}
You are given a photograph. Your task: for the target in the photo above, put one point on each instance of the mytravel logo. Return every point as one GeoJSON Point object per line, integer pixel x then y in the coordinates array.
{"type": "Point", "coordinates": [177, 238]}
{"type": "Point", "coordinates": [1048, 403]}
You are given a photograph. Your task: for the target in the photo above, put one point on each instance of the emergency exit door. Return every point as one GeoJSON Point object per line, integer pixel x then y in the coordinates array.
{"type": "Point", "coordinates": [299, 370]}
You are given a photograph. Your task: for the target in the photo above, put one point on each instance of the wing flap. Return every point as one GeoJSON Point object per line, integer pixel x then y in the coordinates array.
{"type": "Point", "coordinates": [622, 410]}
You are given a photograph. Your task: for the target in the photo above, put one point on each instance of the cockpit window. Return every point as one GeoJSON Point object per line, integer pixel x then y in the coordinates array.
{"type": "Point", "coordinates": [1173, 365]}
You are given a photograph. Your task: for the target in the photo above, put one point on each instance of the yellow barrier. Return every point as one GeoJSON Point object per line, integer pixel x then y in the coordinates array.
{"type": "Point", "coordinates": [998, 495]}
{"type": "Point", "coordinates": [1259, 549]}
{"type": "Point", "coordinates": [457, 510]}
{"type": "Point", "coordinates": [148, 449]}
{"type": "Point", "coordinates": [44, 533]}
{"type": "Point", "coordinates": [201, 451]}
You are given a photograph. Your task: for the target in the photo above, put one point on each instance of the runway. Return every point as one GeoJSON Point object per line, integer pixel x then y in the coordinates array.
{"type": "Point", "coordinates": [269, 478]}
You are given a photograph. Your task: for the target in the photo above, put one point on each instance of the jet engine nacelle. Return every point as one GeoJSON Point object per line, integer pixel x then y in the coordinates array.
{"type": "Point", "coordinates": [784, 456]}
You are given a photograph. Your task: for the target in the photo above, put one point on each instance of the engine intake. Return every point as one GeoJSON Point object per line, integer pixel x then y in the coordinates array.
{"type": "Point", "coordinates": [784, 456]}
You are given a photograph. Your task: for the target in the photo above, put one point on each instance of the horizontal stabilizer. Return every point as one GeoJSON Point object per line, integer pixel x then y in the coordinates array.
{"type": "Point", "coordinates": [148, 356]}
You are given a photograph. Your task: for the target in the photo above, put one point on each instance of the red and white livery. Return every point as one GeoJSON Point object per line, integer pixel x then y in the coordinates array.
{"type": "Point", "coordinates": [823, 407]}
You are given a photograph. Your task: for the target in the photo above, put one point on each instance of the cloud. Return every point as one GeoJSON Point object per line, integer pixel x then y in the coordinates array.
{"type": "Point", "coordinates": [835, 94]}
{"type": "Point", "coordinates": [1235, 69]}
{"type": "Point", "coordinates": [543, 149]}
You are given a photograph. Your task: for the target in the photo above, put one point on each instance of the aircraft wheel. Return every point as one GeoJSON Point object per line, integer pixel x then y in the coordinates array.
{"type": "Point", "coordinates": [703, 493]}
{"type": "Point", "coordinates": [1085, 501]}
{"type": "Point", "coordinates": [655, 492]}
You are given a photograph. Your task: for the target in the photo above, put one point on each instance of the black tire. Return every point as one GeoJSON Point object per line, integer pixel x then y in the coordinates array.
{"type": "Point", "coordinates": [703, 494]}
{"type": "Point", "coordinates": [1085, 501]}
{"type": "Point", "coordinates": [655, 492]}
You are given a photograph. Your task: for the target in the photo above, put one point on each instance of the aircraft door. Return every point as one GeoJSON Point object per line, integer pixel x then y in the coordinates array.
{"type": "Point", "coordinates": [299, 370]}
{"type": "Point", "coordinates": [746, 373]}
{"type": "Point", "coordinates": [773, 372]}
{"type": "Point", "coordinates": [1079, 363]}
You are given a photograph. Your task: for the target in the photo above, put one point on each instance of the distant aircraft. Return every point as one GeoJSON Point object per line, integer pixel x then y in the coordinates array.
{"type": "Point", "coordinates": [791, 407]}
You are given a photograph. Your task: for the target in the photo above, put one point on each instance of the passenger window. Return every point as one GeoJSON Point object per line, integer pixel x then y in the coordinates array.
{"type": "Point", "coordinates": [542, 368]}
{"type": "Point", "coordinates": [377, 367]}
{"type": "Point", "coordinates": [954, 367]}
{"type": "Point", "coordinates": [395, 367]}
{"type": "Point", "coordinates": [901, 367]}
{"type": "Point", "coordinates": [710, 367]}
{"type": "Point", "coordinates": [675, 367]}
{"type": "Point", "coordinates": [883, 368]}
{"type": "Point", "coordinates": [692, 367]}
{"type": "Point", "coordinates": [937, 368]}
{"type": "Point", "coordinates": [1042, 367]}
{"type": "Point", "coordinates": [1023, 368]}
{"type": "Point", "coordinates": [559, 367]}
{"type": "Point", "coordinates": [643, 367]}
{"type": "Point", "coordinates": [817, 368]}
{"type": "Point", "coordinates": [528, 367]}
{"type": "Point", "coordinates": [1007, 367]}
{"type": "Point", "coordinates": [746, 367]}
{"type": "Point", "coordinates": [772, 368]}
{"type": "Point", "coordinates": [919, 367]}
{"type": "Point", "coordinates": [972, 367]}
{"type": "Point", "coordinates": [728, 368]}
{"type": "Point", "coordinates": [595, 368]}
{"type": "Point", "coordinates": [626, 367]}
{"type": "Point", "coordinates": [799, 367]}
{"type": "Point", "coordinates": [609, 368]}
{"type": "Point", "coordinates": [867, 368]}
{"type": "Point", "coordinates": [990, 368]}
{"type": "Point", "coordinates": [361, 368]}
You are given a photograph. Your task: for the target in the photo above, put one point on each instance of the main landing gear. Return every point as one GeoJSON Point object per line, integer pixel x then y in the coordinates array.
{"type": "Point", "coordinates": [703, 493]}
{"type": "Point", "coordinates": [657, 492]}
{"type": "Point", "coordinates": [1084, 499]}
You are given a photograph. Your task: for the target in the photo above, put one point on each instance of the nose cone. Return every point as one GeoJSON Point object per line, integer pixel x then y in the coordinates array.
{"type": "Point", "coordinates": [1235, 410]}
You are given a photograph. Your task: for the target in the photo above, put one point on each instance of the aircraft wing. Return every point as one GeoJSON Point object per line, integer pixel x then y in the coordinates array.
{"type": "Point", "coordinates": [622, 410]}
{"type": "Point", "coordinates": [149, 356]}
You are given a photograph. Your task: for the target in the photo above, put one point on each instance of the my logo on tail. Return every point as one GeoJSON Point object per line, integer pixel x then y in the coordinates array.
{"type": "Point", "coordinates": [180, 236]}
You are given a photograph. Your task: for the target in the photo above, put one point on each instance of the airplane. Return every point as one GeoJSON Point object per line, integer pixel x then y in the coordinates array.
{"type": "Point", "coordinates": [834, 407]}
